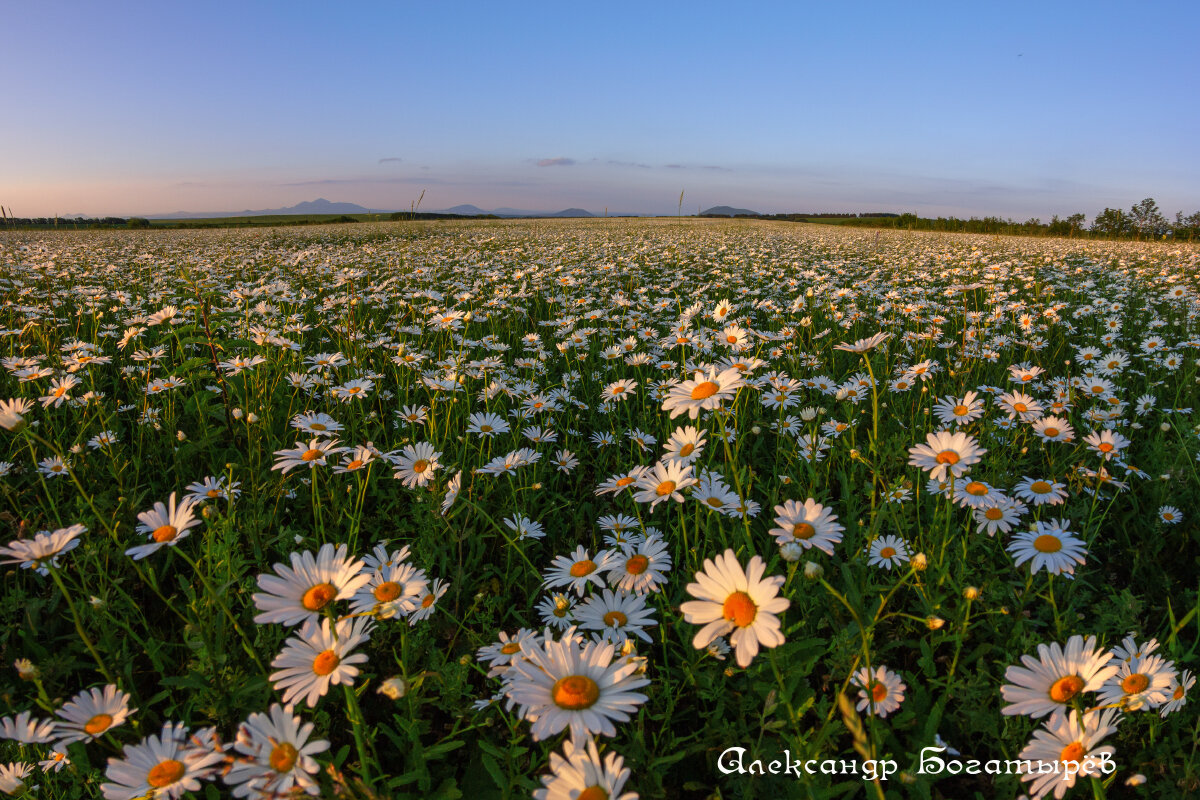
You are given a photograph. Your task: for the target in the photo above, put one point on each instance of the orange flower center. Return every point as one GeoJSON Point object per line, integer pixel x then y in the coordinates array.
{"type": "Point", "coordinates": [1063, 689]}
{"type": "Point", "coordinates": [636, 565]}
{"type": "Point", "coordinates": [575, 692]}
{"type": "Point", "coordinates": [803, 531]}
{"type": "Point", "coordinates": [165, 773]}
{"type": "Point", "coordinates": [1072, 753]}
{"type": "Point", "coordinates": [1050, 431]}
{"type": "Point", "coordinates": [213, 494]}
{"type": "Point", "coordinates": [311, 454]}
{"type": "Point", "coordinates": [1135, 683]}
{"type": "Point", "coordinates": [509, 648]}
{"type": "Point", "coordinates": [318, 596]}
{"type": "Point", "coordinates": [976, 488]}
{"type": "Point", "coordinates": [948, 457]}
{"type": "Point", "coordinates": [581, 568]}
{"type": "Point", "coordinates": [687, 449]}
{"type": "Point", "coordinates": [317, 426]}
{"type": "Point", "coordinates": [1020, 407]}
{"type": "Point", "coordinates": [625, 481]}
{"type": "Point", "coordinates": [887, 552]}
{"type": "Point", "coordinates": [715, 502]}
{"type": "Point", "coordinates": [1105, 447]}
{"type": "Point", "coordinates": [1047, 543]}
{"type": "Point", "coordinates": [704, 390]}
{"type": "Point", "coordinates": [961, 411]}
{"type": "Point", "coordinates": [98, 724]}
{"type": "Point", "coordinates": [595, 792]}
{"type": "Point", "coordinates": [164, 533]}
{"type": "Point", "coordinates": [283, 757]}
{"type": "Point", "coordinates": [879, 691]}
{"type": "Point", "coordinates": [615, 619]}
{"type": "Point", "coordinates": [387, 591]}
{"type": "Point", "coordinates": [739, 609]}
{"type": "Point", "coordinates": [993, 513]}
{"type": "Point", "coordinates": [665, 488]}
{"type": "Point", "coordinates": [420, 466]}
{"type": "Point", "coordinates": [1178, 693]}
{"type": "Point", "coordinates": [325, 663]}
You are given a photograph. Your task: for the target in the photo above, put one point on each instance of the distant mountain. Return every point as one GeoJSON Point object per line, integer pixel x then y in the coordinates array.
{"type": "Point", "coordinates": [727, 211]}
{"type": "Point", "coordinates": [571, 212]}
{"type": "Point", "coordinates": [318, 206]}
{"type": "Point", "coordinates": [467, 210]}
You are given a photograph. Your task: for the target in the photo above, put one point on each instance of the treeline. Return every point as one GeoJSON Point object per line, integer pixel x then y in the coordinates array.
{"type": "Point", "coordinates": [804, 217]}
{"type": "Point", "coordinates": [73, 222]}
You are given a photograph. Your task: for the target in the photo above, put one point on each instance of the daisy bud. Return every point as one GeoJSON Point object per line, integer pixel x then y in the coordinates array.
{"type": "Point", "coordinates": [1166, 426]}
{"type": "Point", "coordinates": [790, 551]}
{"type": "Point", "coordinates": [756, 430]}
{"type": "Point", "coordinates": [1135, 780]}
{"type": "Point", "coordinates": [393, 688]}
{"type": "Point", "coordinates": [26, 669]}
{"type": "Point", "coordinates": [238, 413]}
{"type": "Point", "coordinates": [77, 449]}
{"type": "Point", "coordinates": [252, 417]}
{"type": "Point", "coordinates": [934, 623]}
{"type": "Point", "coordinates": [919, 562]}
{"type": "Point", "coordinates": [971, 593]}
{"type": "Point", "coordinates": [813, 570]}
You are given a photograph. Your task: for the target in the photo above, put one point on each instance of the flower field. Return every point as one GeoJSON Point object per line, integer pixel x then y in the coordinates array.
{"type": "Point", "coordinates": [573, 510]}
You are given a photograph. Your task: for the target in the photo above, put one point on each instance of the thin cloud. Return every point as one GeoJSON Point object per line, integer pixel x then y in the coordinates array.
{"type": "Point", "coordinates": [390, 160]}
{"type": "Point", "coordinates": [556, 162]}
{"type": "Point", "coordinates": [614, 163]}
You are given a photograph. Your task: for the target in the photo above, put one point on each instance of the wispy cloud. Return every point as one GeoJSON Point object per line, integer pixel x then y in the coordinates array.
{"type": "Point", "coordinates": [390, 160]}
{"type": "Point", "coordinates": [615, 163]}
{"type": "Point", "coordinates": [555, 162]}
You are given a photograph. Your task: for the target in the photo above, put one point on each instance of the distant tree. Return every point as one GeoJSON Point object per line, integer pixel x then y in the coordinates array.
{"type": "Point", "coordinates": [1147, 219]}
{"type": "Point", "coordinates": [1075, 222]}
{"type": "Point", "coordinates": [1112, 222]}
{"type": "Point", "coordinates": [137, 222]}
{"type": "Point", "coordinates": [1058, 227]}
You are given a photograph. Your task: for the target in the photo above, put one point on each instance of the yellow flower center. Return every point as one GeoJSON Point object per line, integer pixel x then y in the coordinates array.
{"type": "Point", "coordinates": [961, 411]}
{"type": "Point", "coordinates": [1135, 683]}
{"type": "Point", "coordinates": [98, 724]}
{"type": "Point", "coordinates": [575, 692]}
{"type": "Point", "coordinates": [1040, 487]}
{"type": "Point", "coordinates": [318, 596]}
{"type": "Point", "coordinates": [355, 464]}
{"type": "Point", "coordinates": [60, 391]}
{"type": "Point", "coordinates": [311, 454]}
{"type": "Point", "coordinates": [165, 773]}
{"type": "Point", "coordinates": [615, 619]}
{"type": "Point", "coordinates": [213, 494]}
{"type": "Point", "coordinates": [993, 513]}
{"type": "Point", "coordinates": [387, 591]}
{"type": "Point", "coordinates": [581, 568]}
{"type": "Point", "coordinates": [803, 531]}
{"type": "Point", "coordinates": [887, 552]}
{"type": "Point", "coordinates": [1105, 447]}
{"type": "Point", "coordinates": [948, 457]}
{"type": "Point", "coordinates": [879, 691]}
{"type": "Point", "coordinates": [704, 390]}
{"type": "Point", "coordinates": [687, 450]}
{"type": "Point", "coordinates": [325, 663]}
{"type": "Point", "coordinates": [164, 533]}
{"type": "Point", "coordinates": [1020, 407]}
{"type": "Point", "coordinates": [665, 488]}
{"type": "Point", "coordinates": [624, 481]}
{"type": "Point", "coordinates": [1050, 431]}
{"type": "Point", "coordinates": [739, 609]}
{"type": "Point", "coordinates": [594, 792]}
{"type": "Point", "coordinates": [283, 757]}
{"type": "Point", "coordinates": [715, 502]}
{"type": "Point", "coordinates": [1072, 753]}
{"type": "Point", "coordinates": [1063, 689]}
{"type": "Point", "coordinates": [420, 466]}
{"type": "Point", "coordinates": [1047, 543]}
{"type": "Point", "coordinates": [976, 488]}
{"type": "Point", "coordinates": [427, 601]}
{"type": "Point", "coordinates": [510, 648]}
{"type": "Point", "coordinates": [1178, 693]}
{"type": "Point", "coordinates": [317, 426]}
{"type": "Point", "coordinates": [485, 428]}
{"type": "Point", "coordinates": [637, 564]}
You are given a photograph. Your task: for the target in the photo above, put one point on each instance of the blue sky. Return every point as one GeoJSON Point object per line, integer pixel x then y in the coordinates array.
{"type": "Point", "coordinates": [1014, 109]}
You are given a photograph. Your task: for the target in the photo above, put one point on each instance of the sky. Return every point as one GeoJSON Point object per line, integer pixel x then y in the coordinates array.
{"type": "Point", "coordinates": [968, 109]}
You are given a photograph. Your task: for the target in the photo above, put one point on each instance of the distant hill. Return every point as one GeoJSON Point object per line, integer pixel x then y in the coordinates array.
{"type": "Point", "coordinates": [466, 210]}
{"type": "Point", "coordinates": [728, 211]}
{"type": "Point", "coordinates": [572, 212]}
{"type": "Point", "coordinates": [318, 206]}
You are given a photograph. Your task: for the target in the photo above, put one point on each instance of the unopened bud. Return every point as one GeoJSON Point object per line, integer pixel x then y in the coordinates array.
{"type": "Point", "coordinates": [971, 593]}
{"type": "Point", "coordinates": [919, 562]}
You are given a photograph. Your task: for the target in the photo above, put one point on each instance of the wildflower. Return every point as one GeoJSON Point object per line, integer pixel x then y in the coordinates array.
{"type": "Point", "coordinates": [164, 766]}
{"type": "Point", "coordinates": [881, 690]}
{"type": "Point", "coordinates": [164, 525]}
{"type": "Point", "coordinates": [1047, 684]}
{"type": "Point", "coordinates": [810, 525]}
{"type": "Point", "coordinates": [315, 658]}
{"type": "Point", "coordinates": [91, 713]}
{"type": "Point", "coordinates": [945, 452]}
{"type": "Point", "coordinates": [43, 550]}
{"type": "Point", "coordinates": [580, 774]}
{"type": "Point", "coordinates": [312, 455]}
{"type": "Point", "coordinates": [301, 592]}
{"type": "Point", "coordinates": [737, 600]}
{"type": "Point", "coordinates": [1067, 739]}
{"type": "Point", "coordinates": [274, 755]}
{"type": "Point", "coordinates": [888, 552]}
{"type": "Point", "coordinates": [1050, 545]}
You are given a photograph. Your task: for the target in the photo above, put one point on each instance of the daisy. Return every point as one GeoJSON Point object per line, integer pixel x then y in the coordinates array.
{"type": "Point", "coordinates": [311, 455]}
{"type": "Point", "coordinates": [1019, 404]}
{"type": "Point", "coordinates": [426, 603]}
{"type": "Point", "coordinates": [880, 691]}
{"type": "Point", "coordinates": [974, 494]}
{"type": "Point", "coordinates": [43, 550]}
{"type": "Point", "coordinates": [557, 611]}
{"type": "Point", "coordinates": [685, 445]}
{"type": "Point", "coordinates": [164, 766]}
{"type": "Point", "coordinates": [486, 424]}
{"type": "Point", "coordinates": [616, 615]}
{"type": "Point", "coordinates": [565, 461]}
{"type": "Point", "coordinates": [274, 756]}
{"type": "Point", "coordinates": [165, 525]}
{"type": "Point", "coordinates": [580, 774]}
{"type": "Point", "coordinates": [737, 600]}
{"type": "Point", "coordinates": [616, 484]}
{"type": "Point", "coordinates": [703, 392]}
{"type": "Point", "coordinates": [1049, 683]}
{"type": "Point", "coordinates": [415, 415]}
{"type": "Point", "coordinates": [642, 567]}
{"type": "Point", "coordinates": [320, 424]}
{"type": "Point", "coordinates": [500, 656]}
{"type": "Point", "coordinates": [1168, 515]}
{"type": "Point", "coordinates": [569, 684]}
{"type": "Point", "coordinates": [1067, 740]}
{"type": "Point", "coordinates": [416, 465]}
{"type": "Point", "coordinates": [945, 452]}
{"type": "Point", "coordinates": [1179, 687]}
{"type": "Point", "coordinates": [54, 467]}
{"type": "Point", "coordinates": [810, 524]}
{"type": "Point", "coordinates": [618, 390]}
{"type": "Point", "coordinates": [1000, 513]}
{"type": "Point", "coordinates": [665, 481]}
{"type": "Point", "coordinates": [1107, 443]}
{"type": "Point", "coordinates": [887, 552]}
{"type": "Point", "coordinates": [1054, 429]}
{"type": "Point", "coordinates": [211, 488]}
{"type": "Point", "coordinates": [392, 590]}
{"type": "Point", "coordinates": [59, 393]}
{"type": "Point", "coordinates": [453, 487]}
{"type": "Point", "coordinates": [1141, 682]}
{"type": "Point", "coordinates": [1040, 491]}
{"type": "Point", "coordinates": [24, 728]}
{"type": "Point", "coordinates": [955, 411]}
{"type": "Point", "coordinates": [301, 592]}
{"type": "Point", "coordinates": [524, 527]}
{"type": "Point", "coordinates": [314, 659]}
{"type": "Point", "coordinates": [1049, 545]}
{"type": "Point", "coordinates": [864, 345]}
{"type": "Point", "coordinates": [578, 569]}
{"type": "Point", "coordinates": [12, 413]}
